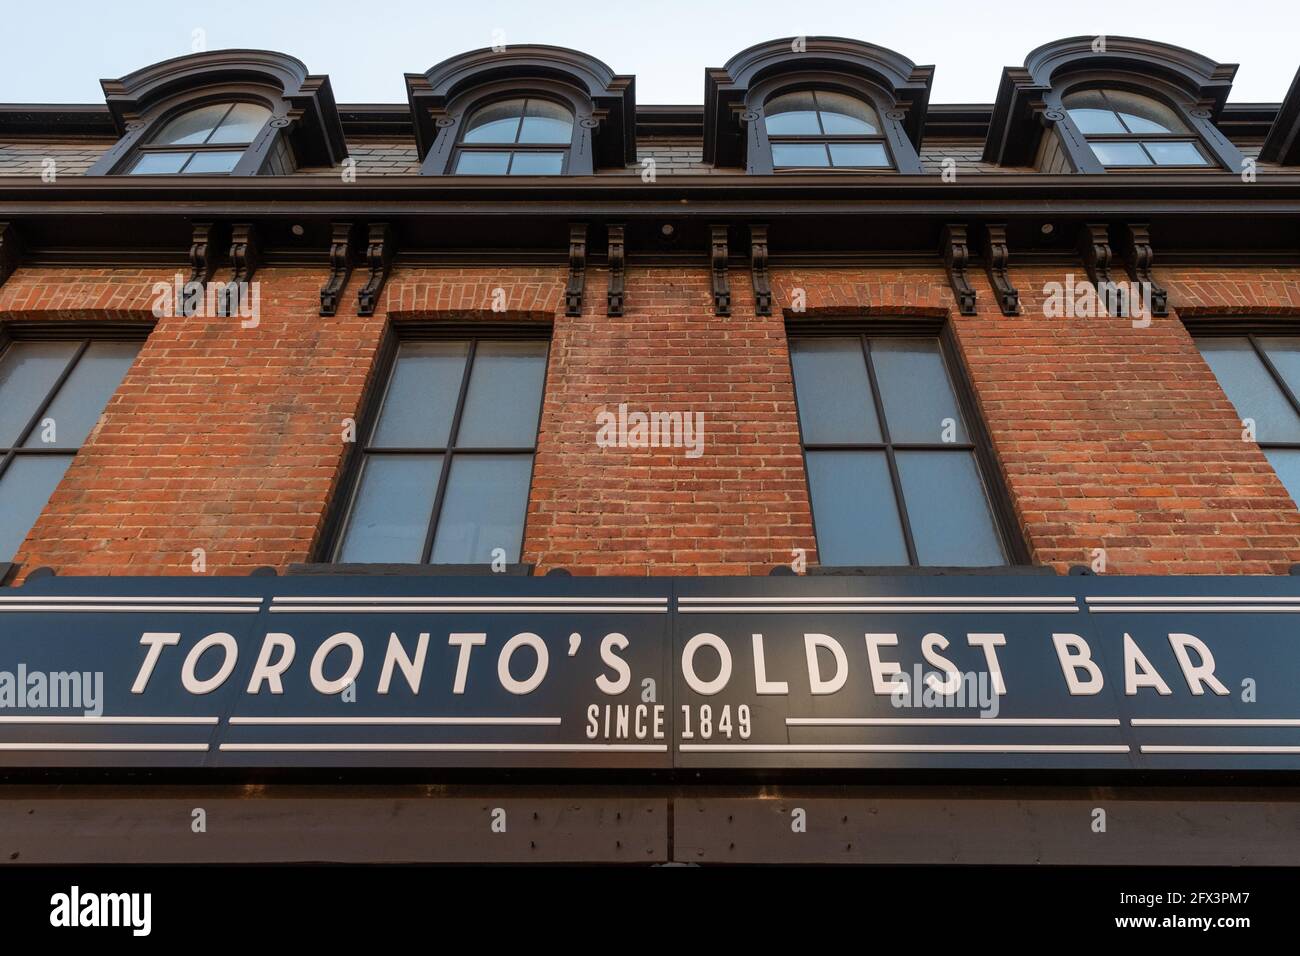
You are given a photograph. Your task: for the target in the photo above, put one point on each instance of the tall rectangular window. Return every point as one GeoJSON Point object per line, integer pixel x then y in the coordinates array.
{"type": "Point", "coordinates": [1260, 374]}
{"type": "Point", "coordinates": [51, 395]}
{"type": "Point", "coordinates": [893, 471]}
{"type": "Point", "coordinates": [448, 458]}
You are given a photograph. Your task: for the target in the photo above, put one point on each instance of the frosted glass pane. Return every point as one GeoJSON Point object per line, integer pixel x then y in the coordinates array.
{"type": "Point", "coordinates": [483, 509]}
{"type": "Point", "coordinates": [390, 517]}
{"type": "Point", "coordinates": [854, 509]}
{"type": "Point", "coordinates": [24, 490]}
{"type": "Point", "coordinates": [948, 510]}
{"type": "Point", "coordinates": [833, 391]}
{"type": "Point", "coordinates": [1251, 389]}
{"type": "Point", "coordinates": [915, 390]}
{"type": "Point", "coordinates": [28, 370]}
{"type": "Point", "coordinates": [505, 396]}
{"type": "Point", "coordinates": [82, 398]}
{"type": "Point", "coordinates": [421, 397]}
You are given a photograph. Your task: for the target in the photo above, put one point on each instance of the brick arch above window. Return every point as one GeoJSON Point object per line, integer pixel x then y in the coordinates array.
{"type": "Point", "coordinates": [301, 125]}
{"type": "Point", "coordinates": [735, 96]}
{"type": "Point", "coordinates": [1031, 118]}
{"type": "Point", "coordinates": [602, 102]}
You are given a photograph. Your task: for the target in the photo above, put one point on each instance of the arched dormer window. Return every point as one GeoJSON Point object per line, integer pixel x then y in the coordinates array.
{"type": "Point", "coordinates": [818, 103]}
{"type": "Point", "coordinates": [210, 139]}
{"type": "Point", "coordinates": [1077, 106]}
{"type": "Point", "coordinates": [523, 111]}
{"type": "Point", "coordinates": [1129, 129]}
{"type": "Point", "coordinates": [824, 128]}
{"type": "Point", "coordinates": [227, 112]}
{"type": "Point", "coordinates": [527, 136]}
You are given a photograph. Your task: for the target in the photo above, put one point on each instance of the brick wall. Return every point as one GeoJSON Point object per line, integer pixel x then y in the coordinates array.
{"type": "Point", "coordinates": [230, 439]}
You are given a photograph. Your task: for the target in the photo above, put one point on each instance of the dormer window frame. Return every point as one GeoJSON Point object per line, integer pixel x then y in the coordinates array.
{"type": "Point", "coordinates": [901, 155]}
{"type": "Point", "coordinates": [303, 127]}
{"type": "Point", "coordinates": [1195, 116]}
{"type": "Point", "coordinates": [141, 133]}
{"type": "Point", "coordinates": [451, 125]}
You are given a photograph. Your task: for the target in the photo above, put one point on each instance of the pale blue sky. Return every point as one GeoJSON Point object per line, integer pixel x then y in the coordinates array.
{"type": "Point", "coordinates": [56, 53]}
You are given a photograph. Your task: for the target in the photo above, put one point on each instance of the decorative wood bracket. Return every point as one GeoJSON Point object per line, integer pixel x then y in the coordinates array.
{"type": "Point", "coordinates": [1094, 247]}
{"type": "Point", "coordinates": [617, 265]}
{"type": "Point", "coordinates": [245, 257]}
{"type": "Point", "coordinates": [758, 265]}
{"type": "Point", "coordinates": [577, 268]}
{"type": "Point", "coordinates": [342, 255]}
{"type": "Point", "coordinates": [1137, 242]}
{"type": "Point", "coordinates": [8, 250]}
{"type": "Point", "coordinates": [381, 247]}
{"type": "Point", "coordinates": [956, 257]}
{"type": "Point", "coordinates": [202, 247]}
{"type": "Point", "coordinates": [997, 256]}
{"type": "Point", "coordinates": [719, 279]}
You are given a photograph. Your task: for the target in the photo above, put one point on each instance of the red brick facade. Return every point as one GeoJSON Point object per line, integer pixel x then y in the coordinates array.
{"type": "Point", "coordinates": [230, 439]}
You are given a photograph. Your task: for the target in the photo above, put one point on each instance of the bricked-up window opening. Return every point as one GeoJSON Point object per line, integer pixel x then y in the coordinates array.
{"type": "Point", "coordinates": [448, 460]}
{"type": "Point", "coordinates": [210, 140]}
{"type": "Point", "coordinates": [892, 470]}
{"type": "Point", "coordinates": [51, 396]}
{"type": "Point", "coordinates": [1126, 130]}
{"type": "Point", "coordinates": [516, 138]}
{"type": "Point", "coordinates": [819, 129]}
{"type": "Point", "coordinates": [1260, 374]}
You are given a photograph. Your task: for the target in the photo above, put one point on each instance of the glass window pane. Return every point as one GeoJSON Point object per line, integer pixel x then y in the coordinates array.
{"type": "Point", "coordinates": [28, 370]}
{"type": "Point", "coordinates": [537, 164]}
{"type": "Point", "coordinates": [212, 163]}
{"type": "Point", "coordinates": [153, 164]}
{"type": "Point", "coordinates": [1175, 154]}
{"type": "Point", "coordinates": [504, 397]}
{"type": "Point", "coordinates": [1286, 462]}
{"type": "Point", "coordinates": [846, 114]}
{"type": "Point", "coordinates": [1284, 352]}
{"type": "Point", "coordinates": [854, 509]}
{"type": "Point", "coordinates": [1141, 114]}
{"type": "Point", "coordinates": [24, 490]}
{"type": "Point", "coordinates": [792, 114]}
{"type": "Point", "coordinates": [833, 391]}
{"type": "Point", "coordinates": [421, 397]}
{"type": "Point", "coordinates": [483, 509]}
{"type": "Point", "coordinates": [546, 122]}
{"type": "Point", "coordinates": [799, 154]}
{"type": "Point", "coordinates": [495, 123]}
{"type": "Point", "coordinates": [241, 124]}
{"type": "Point", "coordinates": [1251, 389]}
{"type": "Point", "coordinates": [1120, 154]}
{"type": "Point", "coordinates": [859, 154]}
{"type": "Point", "coordinates": [482, 164]}
{"type": "Point", "coordinates": [1091, 113]}
{"type": "Point", "coordinates": [82, 398]}
{"type": "Point", "coordinates": [952, 525]}
{"type": "Point", "coordinates": [390, 517]}
{"type": "Point", "coordinates": [915, 390]}
{"type": "Point", "coordinates": [193, 127]}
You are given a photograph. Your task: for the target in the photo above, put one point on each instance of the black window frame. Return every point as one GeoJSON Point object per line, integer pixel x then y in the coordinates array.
{"type": "Point", "coordinates": [344, 500]}
{"type": "Point", "coordinates": [563, 149]}
{"type": "Point", "coordinates": [149, 146]}
{"type": "Point", "coordinates": [978, 442]}
{"type": "Point", "coordinates": [824, 139]}
{"type": "Point", "coordinates": [1140, 139]}
{"type": "Point", "coordinates": [83, 334]}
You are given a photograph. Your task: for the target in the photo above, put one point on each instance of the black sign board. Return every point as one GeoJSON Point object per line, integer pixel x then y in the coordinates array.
{"type": "Point", "coordinates": [952, 672]}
